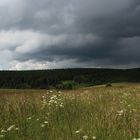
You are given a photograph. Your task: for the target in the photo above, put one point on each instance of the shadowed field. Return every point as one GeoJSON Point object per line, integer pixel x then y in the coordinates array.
{"type": "Point", "coordinates": [99, 113]}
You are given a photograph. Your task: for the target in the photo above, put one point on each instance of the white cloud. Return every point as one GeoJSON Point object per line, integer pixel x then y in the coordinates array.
{"type": "Point", "coordinates": [28, 65]}
{"type": "Point", "coordinates": [30, 41]}
{"type": "Point", "coordinates": [13, 44]}
{"type": "Point", "coordinates": [32, 64]}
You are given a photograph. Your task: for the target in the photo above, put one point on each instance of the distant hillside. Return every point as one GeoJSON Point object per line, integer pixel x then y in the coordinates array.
{"type": "Point", "coordinates": [46, 79]}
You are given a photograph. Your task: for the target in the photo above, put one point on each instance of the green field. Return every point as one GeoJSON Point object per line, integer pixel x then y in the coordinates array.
{"type": "Point", "coordinates": [99, 113]}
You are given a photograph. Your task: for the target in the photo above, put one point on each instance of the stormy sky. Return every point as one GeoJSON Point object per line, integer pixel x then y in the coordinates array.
{"type": "Point", "coordinates": [46, 34]}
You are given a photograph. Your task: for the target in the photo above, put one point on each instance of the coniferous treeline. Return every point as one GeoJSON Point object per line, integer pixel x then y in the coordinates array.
{"type": "Point", "coordinates": [59, 78]}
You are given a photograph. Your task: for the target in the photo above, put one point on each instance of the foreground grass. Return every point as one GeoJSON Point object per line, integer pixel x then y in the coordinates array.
{"type": "Point", "coordinates": [92, 113]}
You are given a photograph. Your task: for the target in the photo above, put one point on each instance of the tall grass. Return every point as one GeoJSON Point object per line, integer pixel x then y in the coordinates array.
{"type": "Point", "coordinates": [101, 114]}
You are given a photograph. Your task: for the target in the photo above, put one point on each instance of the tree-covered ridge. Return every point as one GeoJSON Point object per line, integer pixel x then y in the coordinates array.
{"type": "Point", "coordinates": [57, 77]}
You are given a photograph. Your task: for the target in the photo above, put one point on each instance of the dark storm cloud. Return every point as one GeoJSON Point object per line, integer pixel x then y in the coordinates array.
{"type": "Point", "coordinates": [91, 33]}
{"type": "Point", "coordinates": [45, 15]}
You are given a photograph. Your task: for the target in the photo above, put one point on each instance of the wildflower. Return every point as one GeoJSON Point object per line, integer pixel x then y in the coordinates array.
{"type": "Point", "coordinates": [129, 105]}
{"type": "Point", "coordinates": [37, 119]}
{"type": "Point", "coordinates": [85, 137]}
{"type": "Point", "coordinates": [78, 131]}
{"type": "Point", "coordinates": [54, 97]}
{"type": "Point", "coordinates": [29, 118]}
{"type": "Point", "coordinates": [51, 101]}
{"type": "Point", "coordinates": [16, 128]}
{"type": "Point", "coordinates": [11, 127]}
{"type": "Point", "coordinates": [3, 131]}
{"type": "Point", "coordinates": [94, 138]}
{"type": "Point", "coordinates": [61, 105]}
{"type": "Point", "coordinates": [42, 125]}
{"type": "Point", "coordinates": [43, 97]}
{"type": "Point", "coordinates": [120, 112]}
{"type": "Point", "coordinates": [46, 122]}
{"type": "Point", "coordinates": [55, 102]}
{"type": "Point", "coordinates": [60, 99]}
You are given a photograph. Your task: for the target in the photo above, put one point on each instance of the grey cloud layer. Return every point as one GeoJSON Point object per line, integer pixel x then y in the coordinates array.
{"type": "Point", "coordinates": [81, 33]}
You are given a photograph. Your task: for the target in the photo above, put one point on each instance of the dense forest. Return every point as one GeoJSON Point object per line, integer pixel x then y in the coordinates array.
{"type": "Point", "coordinates": [66, 78]}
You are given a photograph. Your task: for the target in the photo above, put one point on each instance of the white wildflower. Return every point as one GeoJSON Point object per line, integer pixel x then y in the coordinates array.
{"type": "Point", "coordinates": [11, 127]}
{"type": "Point", "coordinates": [3, 131]}
{"type": "Point", "coordinates": [55, 102]}
{"type": "Point", "coordinates": [29, 118]}
{"type": "Point", "coordinates": [129, 105]}
{"type": "Point", "coordinates": [78, 131]}
{"type": "Point", "coordinates": [60, 99]}
{"type": "Point", "coordinates": [61, 105]}
{"type": "Point", "coordinates": [46, 122]}
{"type": "Point", "coordinates": [94, 138]}
{"type": "Point", "coordinates": [85, 137]}
{"type": "Point", "coordinates": [51, 101]}
{"type": "Point", "coordinates": [42, 125]}
{"type": "Point", "coordinates": [43, 97]}
{"type": "Point", "coordinates": [16, 128]}
{"type": "Point", "coordinates": [120, 112]}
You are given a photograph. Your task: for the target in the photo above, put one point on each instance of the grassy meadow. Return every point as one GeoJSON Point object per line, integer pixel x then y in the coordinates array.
{"type": "Point", "coordinates": [93, 113]}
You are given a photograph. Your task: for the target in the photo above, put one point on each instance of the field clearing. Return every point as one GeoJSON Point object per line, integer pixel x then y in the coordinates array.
{"type": "Point", "coordinates": [101, 113]}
